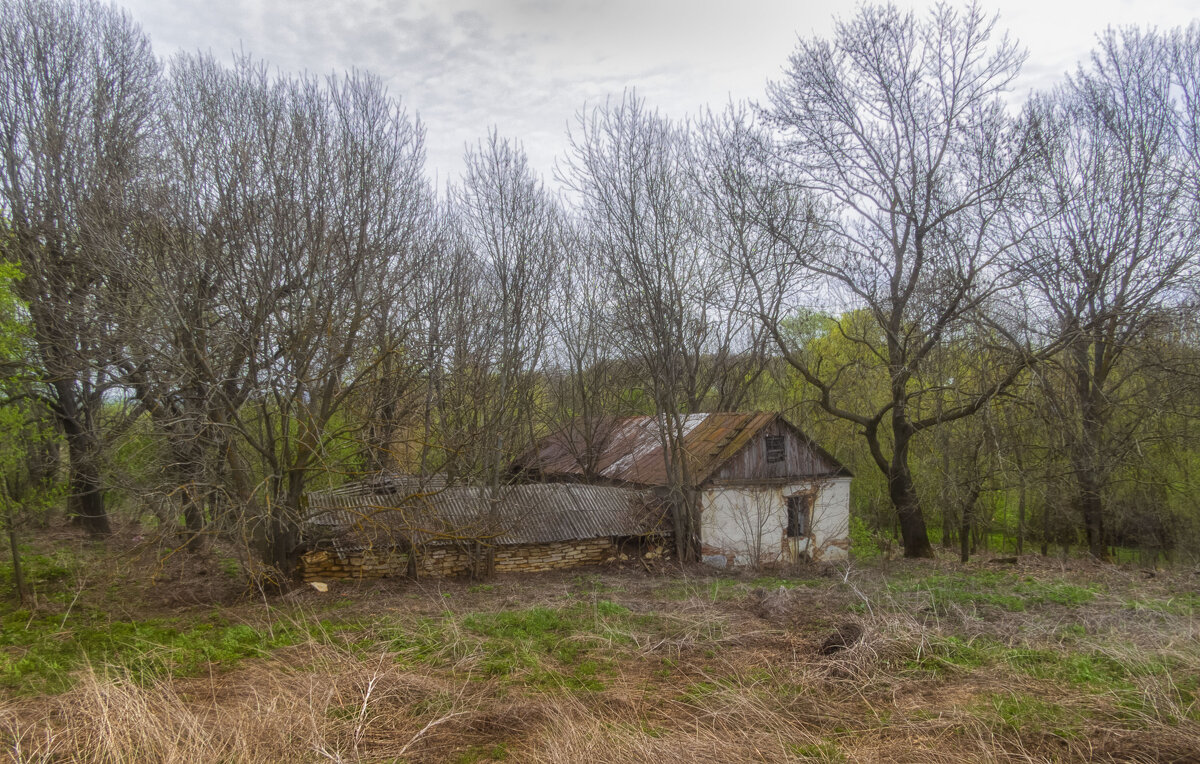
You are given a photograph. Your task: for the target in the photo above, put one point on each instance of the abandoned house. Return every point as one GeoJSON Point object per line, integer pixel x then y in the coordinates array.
{"type": "Point", "coordinates": [403, 525]}
{"type": "Point", "coordinates": [766, 492]}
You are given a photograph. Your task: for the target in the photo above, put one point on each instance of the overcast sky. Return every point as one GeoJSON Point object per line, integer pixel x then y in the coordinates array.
{"type": "Point", "coordinates": [528, 66]}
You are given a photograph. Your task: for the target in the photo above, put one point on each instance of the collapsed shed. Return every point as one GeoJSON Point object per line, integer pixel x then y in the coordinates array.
{"type": "Point", "coordinates": [397, 525]}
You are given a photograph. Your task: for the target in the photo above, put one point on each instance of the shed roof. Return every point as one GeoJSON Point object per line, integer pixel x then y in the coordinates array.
{"type": "Point", "coordinates": [359, 514]}
{"type": "Point", "coordinates": [630, 449]}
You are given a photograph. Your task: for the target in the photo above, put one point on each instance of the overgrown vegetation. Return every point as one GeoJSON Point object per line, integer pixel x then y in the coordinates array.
{"type": "Point", "coordinates": [1042, 660]}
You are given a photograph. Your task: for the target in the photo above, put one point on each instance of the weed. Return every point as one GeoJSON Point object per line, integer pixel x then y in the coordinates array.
{"type": "Point", "coordinates": [1184, 604]}
{"type": "Point", "coordinates": [1023, 714]}
{"type": "Point", "coordinates": [820, 751]}
{"type": "Point", "coordinates": [43, 656]}
{"type": "Point", "coordinates": [771, 582]}
{"type": "Point", "coordinates": [941, 654]}
{"type": "Point", "coordinates": [1003, 591]}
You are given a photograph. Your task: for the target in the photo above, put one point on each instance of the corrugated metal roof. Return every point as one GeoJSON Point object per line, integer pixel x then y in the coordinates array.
{"type": "Point", "coordinates": [388, 483]}
{"type": "Point", "coordinates": [522, 514]}
{"type": "Point", "coordinates": [630, 449]}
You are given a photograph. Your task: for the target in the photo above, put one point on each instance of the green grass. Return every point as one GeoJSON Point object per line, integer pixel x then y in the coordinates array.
{"type": "Point", "coordinates": [713, 590]}
{"type": "Point", "coordinates": [772, 582]}
{"type": "Point", "coordinates": [1089, 673]}
{"type": "Point", "coordinates": [544, 648]}
{"type": "Point", "coordinates": [42, 572]}
{"type": "Point", "coordinates": [40, 654]}
{"type": "Point", "coordinates": [822, 751]}
{"type": "Point", "coordinates": [516, 641]}
{"type": "Point", "coordinates": [992, 589]}
{"type": "Point", "coordinates": [1022, 714]}
{"type": "Point", "coordinates": [1184, 604]}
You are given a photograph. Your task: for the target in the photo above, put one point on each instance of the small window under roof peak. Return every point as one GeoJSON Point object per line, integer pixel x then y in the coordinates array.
{"type": "Point", "coordinates": [775, 445]}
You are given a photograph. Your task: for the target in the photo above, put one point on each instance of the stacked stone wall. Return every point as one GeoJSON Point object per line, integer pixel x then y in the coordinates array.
{"type": "Point", "coordinates": [449, 561]}
{"type": "Point", "coordinates": [367, 564]}
{"type": "Point", "coordinates": [553, 556]}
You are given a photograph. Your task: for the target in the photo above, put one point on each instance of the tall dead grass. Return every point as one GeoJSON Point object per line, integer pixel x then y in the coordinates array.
{"type": "Point", "coordinates": [318, 703]}
{"type": "Point", "coordinates": [708, 682]}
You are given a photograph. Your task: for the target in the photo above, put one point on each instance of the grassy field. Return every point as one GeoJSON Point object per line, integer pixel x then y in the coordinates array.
{"type": "Point", "coordinates": [125, 658]}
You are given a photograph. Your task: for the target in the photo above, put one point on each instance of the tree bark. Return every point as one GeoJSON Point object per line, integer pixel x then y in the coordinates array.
{"type": "Point", "coordinates": [86, 501]}
{"type": "Point", "coordinates": [903, 494]}
{"type": "Point", "coordinates": [1091, 507]}
{"type": "Point", "coordinates": [964, 535]}
{"type": "Point", "coordinates": [18, 570]}
{"type": "Point", "coordinates": [1021, 520]}
{"type": "Point", "coordinates": [1090, 475]}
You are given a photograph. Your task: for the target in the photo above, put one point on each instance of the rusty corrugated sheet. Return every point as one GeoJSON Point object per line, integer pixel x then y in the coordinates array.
{"type": "Point", "coordinates": [630, 449]}
{"type": "Point", "coordinates": [522, 514]}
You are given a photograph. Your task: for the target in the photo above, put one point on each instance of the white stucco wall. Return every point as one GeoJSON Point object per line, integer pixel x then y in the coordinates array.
{"type": "Point", "coordinates": [831, 520]}
{"type": "Point", "coordinates": [742, 522]}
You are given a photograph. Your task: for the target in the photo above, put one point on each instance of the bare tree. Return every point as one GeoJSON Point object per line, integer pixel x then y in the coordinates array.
{"type": "Point", "coordinates": [631, 169]}
{"type": "Point", "coordinates": [1185, 67]}
{"type": "Point", "coordinates": [514, 227]}
{"type": "Point", "coordinates": [1119, 247]}
{"type": "Point", "coordinates": [898, 128]}
{"type": "Point", "coordinates": [77, 83]}
{"type": "Point", "coordinates": [589, 379]}
{"type": "Point", "coordinates": [285, 257]}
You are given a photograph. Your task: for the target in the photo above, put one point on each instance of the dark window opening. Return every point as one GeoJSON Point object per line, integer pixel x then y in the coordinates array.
{"type": "Point", "coordinates": [798, 516]}
{"type": "Point", "coordinates": [775, 446]}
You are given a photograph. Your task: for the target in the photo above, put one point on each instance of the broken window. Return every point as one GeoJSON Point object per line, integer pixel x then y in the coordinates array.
{"type": "Point", "coordinates": [798, 509]}
{"type": "Point", "coordinates": [775, 447]}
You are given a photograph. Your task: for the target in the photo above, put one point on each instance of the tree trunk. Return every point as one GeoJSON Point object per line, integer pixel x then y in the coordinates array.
{"type": "Point", "coordinates": [964, 535]}
{"type": "Point", "coordinates": [1021, 521]}
{"type": "Point", "coordinates": [1091, 507]}
{"type": "Point", "coordinates": [1046, 519]}
{"type": "Point", "coordinates": [277, 533]}
{"type": "Point", "coordinates": [683, 521]}
{"type": "Point", "coordinates": [947, 517]}
{"type": "Point", "coordinates": [1090, 475]}
{"type": "Point", "coordinates": [193, 520]}
{"type": "Point", "coordinates": [188, 474]}
{"type": "Point", "coordinates": [908, 506]}
{"type": "Point", "coordinates": [18, 570]}
{"type": "Point", "coordinates": [86, 501]}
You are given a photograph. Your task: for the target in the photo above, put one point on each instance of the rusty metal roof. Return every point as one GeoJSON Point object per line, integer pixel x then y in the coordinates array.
{"type": "Point", "coordinates": [630, 449]}
{"type": "Point", "coordinates": [520, 514]}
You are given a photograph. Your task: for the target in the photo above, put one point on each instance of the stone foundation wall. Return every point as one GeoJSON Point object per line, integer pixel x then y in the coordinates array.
{"type": "Point", "coordinates": [563, 554]}
{"type": "Point", "coordinates": [321, 564]}
{"type": "Point", "coordinates": [449, 561]}
{"type": "Point", "coordinates": [442, 562]}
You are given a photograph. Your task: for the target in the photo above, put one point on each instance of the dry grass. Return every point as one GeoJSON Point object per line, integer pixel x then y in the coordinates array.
{"type": "Point", "coordinates": [1041, 663]}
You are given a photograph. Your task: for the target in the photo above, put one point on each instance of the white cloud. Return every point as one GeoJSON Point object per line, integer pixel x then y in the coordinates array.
{"type": "Point", "coordinates": [527, 66]}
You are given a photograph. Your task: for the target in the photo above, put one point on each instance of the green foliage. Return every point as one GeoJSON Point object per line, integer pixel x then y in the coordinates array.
{"type": "Point", "coordinates": [28, 439]}
{"type": "Point", "coordinates": [863, 543]}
